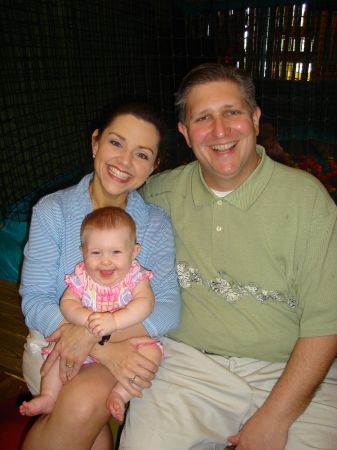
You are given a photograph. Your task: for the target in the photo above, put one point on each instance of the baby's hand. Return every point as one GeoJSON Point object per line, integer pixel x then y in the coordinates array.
{"type": "Point", "coordinates": [101, 324]}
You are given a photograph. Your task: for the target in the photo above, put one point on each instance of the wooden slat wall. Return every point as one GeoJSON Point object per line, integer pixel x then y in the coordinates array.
{"type": "Point", "coordinates": [12, 329]}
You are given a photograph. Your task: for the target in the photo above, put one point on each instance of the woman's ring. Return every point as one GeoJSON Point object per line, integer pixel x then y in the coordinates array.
{"type": "Point", "coordinates": [68, 365]}
{"type": "Point", "coordinates": [132, 380]}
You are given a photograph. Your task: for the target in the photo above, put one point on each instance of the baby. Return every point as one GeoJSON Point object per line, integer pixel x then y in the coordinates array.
{"type": "Point", "coordinates": [108, 291]}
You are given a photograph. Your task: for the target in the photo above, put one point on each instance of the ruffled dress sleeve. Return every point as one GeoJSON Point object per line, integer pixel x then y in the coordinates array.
{"type": "Point", "coordinates": [75, 280]}
{"type": "Point", "coordinates": [137, 274]}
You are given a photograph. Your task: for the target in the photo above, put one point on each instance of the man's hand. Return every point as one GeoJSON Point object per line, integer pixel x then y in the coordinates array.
{"type": "Point", "coordinates": [126, 363]}
{"type": "Point", "coordinates": [261, 432]}
{"type": "Point", "coordinates": [268, 428]}
{"type": "Point", "coordinates": [73, 345]}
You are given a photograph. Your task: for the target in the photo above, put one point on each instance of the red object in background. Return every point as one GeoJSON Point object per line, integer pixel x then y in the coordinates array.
{"type": "Point", "coordinates": [13, 426]}
{"type": "Point", "coordinates": [324, 169]}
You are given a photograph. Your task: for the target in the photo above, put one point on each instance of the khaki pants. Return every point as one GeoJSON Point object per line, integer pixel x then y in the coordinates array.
{"type": "Point", "coordinates": [198, 400]}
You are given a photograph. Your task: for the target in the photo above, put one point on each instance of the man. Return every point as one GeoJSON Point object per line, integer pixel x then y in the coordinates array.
{"type": "Point", "coordinates": [252, 362]}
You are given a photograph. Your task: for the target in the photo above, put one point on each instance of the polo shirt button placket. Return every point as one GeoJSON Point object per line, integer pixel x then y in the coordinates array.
{"type": "Point", "coordinates": [218, 228]}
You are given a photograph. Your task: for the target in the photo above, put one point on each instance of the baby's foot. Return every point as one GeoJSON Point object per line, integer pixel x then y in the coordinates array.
{"type": "Point", "coordinates": [116, 406]}
{"type": "Point", "coordinates": [43, 404]}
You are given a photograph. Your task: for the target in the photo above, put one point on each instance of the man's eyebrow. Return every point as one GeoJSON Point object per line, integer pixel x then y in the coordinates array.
{"type": "Point", "coordinates": [200, 113]}
{"type": "Point", "coordinates": [209, 110]}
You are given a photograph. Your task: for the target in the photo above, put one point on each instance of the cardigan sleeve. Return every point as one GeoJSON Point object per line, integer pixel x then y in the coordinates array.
{"type": "Point", "coordinates": [38, 289]}
{"type": "Point", "coordinates": [161, 261]}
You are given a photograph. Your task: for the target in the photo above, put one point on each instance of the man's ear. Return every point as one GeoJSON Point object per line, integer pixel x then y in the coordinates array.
{"type": "Point", "coordinates": [94, 142]}
{"type": "Point", "coordinates": [156, 165]}
{"type": "Point", "coordinates": [256, 120]}
{"type": "Point", "coordinates": [183, 130]}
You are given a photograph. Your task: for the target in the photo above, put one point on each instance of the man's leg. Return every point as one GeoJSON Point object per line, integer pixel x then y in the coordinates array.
{"type": "Point", "coordinates": [316, 428]}
{"type": "Point", "coordinates": [195, 402]}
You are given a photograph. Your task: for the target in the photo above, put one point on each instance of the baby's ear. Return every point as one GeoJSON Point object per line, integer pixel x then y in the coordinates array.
{"type": "Point", "coordinates": [136, 251]}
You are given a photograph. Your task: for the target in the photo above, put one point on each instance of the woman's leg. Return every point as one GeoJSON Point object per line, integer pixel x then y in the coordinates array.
{"type": "Point", "coordinates": [79, 415]}
{"type": "Point", "coordinates": [32, 360]}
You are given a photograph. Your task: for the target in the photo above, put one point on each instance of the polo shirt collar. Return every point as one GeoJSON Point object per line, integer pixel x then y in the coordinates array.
{"type": "Point", "coordinates": [246, 194]}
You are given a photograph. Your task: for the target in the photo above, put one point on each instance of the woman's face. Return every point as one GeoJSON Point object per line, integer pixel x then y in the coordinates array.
{"type": "Point", "coordinates": [125, 156]}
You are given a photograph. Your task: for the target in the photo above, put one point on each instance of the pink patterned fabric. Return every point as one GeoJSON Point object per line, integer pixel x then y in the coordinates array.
{"type": "Point", "coordinates": [105, 298]}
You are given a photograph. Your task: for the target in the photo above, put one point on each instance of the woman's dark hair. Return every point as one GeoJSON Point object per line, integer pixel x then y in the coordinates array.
{"type": "Point", "coordinates": [140, 109]}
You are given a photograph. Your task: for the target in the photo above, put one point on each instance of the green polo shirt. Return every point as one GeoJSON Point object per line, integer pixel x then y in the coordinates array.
{"type": "Point", "coordinates": [257, 268]}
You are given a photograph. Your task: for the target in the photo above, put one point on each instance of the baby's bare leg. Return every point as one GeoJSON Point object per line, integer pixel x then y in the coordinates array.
{"type": "Point", "coordinates": [119, 396]}
{"type": "Point", "coordinates": [79, 415]}
{"type": "Point", "coordinates": [50, 387]}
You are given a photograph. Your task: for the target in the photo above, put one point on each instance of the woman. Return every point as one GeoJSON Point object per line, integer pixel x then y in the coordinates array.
{"type": "Point", "coordinates": [126, 148]}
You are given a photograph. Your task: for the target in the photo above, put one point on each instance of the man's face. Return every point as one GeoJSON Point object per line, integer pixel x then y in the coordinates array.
{"type": "Point", "coordinates": [221, 129]}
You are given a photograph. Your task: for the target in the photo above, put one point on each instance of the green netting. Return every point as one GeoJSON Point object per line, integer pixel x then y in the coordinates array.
{"type": "Point", "coordinates": [62, 60]}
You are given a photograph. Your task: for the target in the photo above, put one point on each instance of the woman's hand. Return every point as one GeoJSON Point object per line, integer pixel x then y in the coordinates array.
{"type": "Point", "coordinates": [72, 345]}
{"type": "Point", "coordinates": [130, 368]}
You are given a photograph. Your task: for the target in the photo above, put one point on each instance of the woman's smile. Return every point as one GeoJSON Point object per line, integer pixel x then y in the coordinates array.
{"type": "Point", "coordinates": [117, 173]}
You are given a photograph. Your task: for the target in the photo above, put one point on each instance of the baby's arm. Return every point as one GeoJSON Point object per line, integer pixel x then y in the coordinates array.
{"type": "Point", "coordinates": [101, 324]}
{"type": "Point", "coordinates": [73, 310]}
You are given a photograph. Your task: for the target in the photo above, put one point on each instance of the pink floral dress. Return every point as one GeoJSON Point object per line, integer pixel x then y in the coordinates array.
{"type": "Point", "coordinates": [105, 298]}
{"type": "Point", "coordinates": [102, 298]}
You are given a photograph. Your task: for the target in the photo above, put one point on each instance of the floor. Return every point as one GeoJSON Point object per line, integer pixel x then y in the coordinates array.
{"type": "Point", "coordinates": [12, 338]}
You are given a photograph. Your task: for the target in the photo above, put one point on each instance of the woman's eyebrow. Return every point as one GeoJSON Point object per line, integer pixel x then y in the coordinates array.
{"type": "Point", "coordinates": [116, 134]}
{"type": "Point", "coordinates": [147, 148]}
{"type": "Point", "coordinates": [124, 140]}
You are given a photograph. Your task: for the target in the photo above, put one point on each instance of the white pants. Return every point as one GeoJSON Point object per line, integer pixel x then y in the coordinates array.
{"type": "Point", "coordinates": [197, 400]}
{"type": "Point", "coordinates": [32, 360]}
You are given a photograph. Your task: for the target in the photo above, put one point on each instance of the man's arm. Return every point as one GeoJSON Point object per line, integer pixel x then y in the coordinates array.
{"type": "Point", "coordinates": [268, 428]}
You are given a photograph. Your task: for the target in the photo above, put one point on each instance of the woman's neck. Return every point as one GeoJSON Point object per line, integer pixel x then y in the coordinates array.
{"type": "Point", "coordinates": [101, 199]}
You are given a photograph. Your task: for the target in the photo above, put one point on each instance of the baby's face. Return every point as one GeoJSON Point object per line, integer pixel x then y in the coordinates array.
{"type": "Point", "coordinates": [108, 254]}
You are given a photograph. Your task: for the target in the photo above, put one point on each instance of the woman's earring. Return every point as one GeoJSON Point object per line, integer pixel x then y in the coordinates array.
{"type": "Point", "coordinates": [93, 156]}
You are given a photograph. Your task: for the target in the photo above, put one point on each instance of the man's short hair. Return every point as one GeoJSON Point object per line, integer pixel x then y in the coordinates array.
{"type": "Point", "coordinates": [206, 73]}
